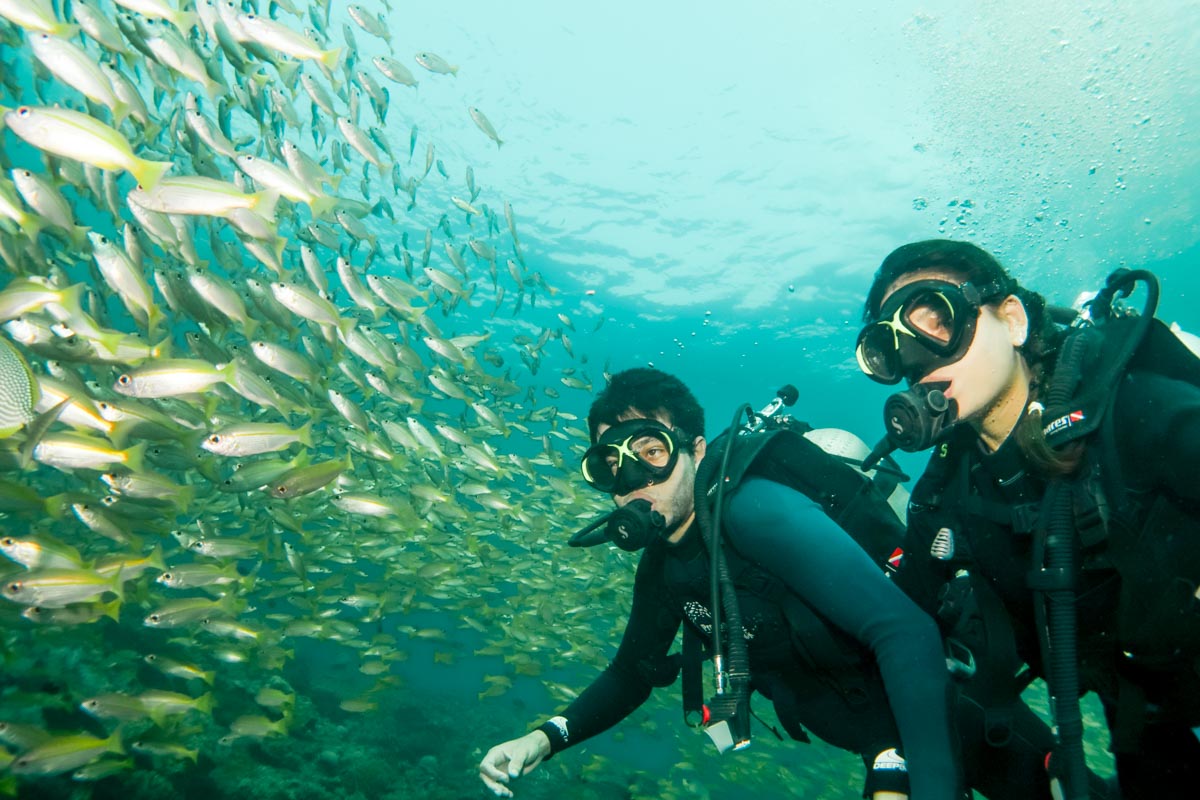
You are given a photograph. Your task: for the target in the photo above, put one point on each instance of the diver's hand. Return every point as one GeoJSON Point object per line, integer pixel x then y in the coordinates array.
{"type": "Point", "coordinates": [512, 760]}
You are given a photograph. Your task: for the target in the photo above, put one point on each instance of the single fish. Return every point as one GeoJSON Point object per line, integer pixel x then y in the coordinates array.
{"type": "Point", "coordinates": [485, 125]}
{"type": "Point", "coordinates": [435, 63]}
{"type": "Point", "coordinates": [77, 136]}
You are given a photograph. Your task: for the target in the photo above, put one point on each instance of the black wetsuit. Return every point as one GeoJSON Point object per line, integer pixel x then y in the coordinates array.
{"type": "Point", "coordinates": [901, 697]}
{"type": "Point", "coordinates": [1157, 439]}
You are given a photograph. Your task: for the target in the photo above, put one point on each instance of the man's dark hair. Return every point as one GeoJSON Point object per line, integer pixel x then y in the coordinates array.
{"type": "Point", "coordinates": [650, 392]}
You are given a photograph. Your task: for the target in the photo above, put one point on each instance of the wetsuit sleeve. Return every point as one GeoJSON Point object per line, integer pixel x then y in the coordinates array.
{"type": "Point", "coordinates": [1158, 433]}
{"type": "Point", "coordinates": [626, 683]}
{"type": "Point", "coordinates": [790, 536]}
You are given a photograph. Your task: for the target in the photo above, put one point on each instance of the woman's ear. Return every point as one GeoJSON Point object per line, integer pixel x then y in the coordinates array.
{"type": "Point", "coordinates": [1012, 311]}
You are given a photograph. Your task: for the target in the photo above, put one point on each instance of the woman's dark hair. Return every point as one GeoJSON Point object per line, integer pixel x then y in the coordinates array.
{"type": "Point", "coordinates": [972, 263]}
{"type": "Point", "coordinates": [650, 392]}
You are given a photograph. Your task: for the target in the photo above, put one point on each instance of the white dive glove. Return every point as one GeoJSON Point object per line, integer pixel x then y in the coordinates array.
{"type": "Point", "coordinates": [511, 760]}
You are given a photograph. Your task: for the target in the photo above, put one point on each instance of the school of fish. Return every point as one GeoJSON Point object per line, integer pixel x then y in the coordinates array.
{"type": "Point", "coordinates": [223, 391]}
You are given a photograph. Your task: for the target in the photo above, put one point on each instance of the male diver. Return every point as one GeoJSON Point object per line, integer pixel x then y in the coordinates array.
{"type": "Point", "coordinates": [886, 699]}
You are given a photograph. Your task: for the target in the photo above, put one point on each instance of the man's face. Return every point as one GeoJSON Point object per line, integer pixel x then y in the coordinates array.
{"type": "Point", "coordinates": [672, 497]}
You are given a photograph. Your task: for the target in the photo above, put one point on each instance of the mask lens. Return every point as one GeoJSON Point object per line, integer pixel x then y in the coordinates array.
{"type": "Point", "coordinates": [877, 353]}
{"type": "Point", "coordinates": [629, 457]}
{"type": "Point", "coordinates": [931, 316]}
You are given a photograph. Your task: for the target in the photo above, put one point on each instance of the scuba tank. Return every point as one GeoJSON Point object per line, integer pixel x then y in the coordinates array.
{"type": "Point", "coordinates": [847, 447]}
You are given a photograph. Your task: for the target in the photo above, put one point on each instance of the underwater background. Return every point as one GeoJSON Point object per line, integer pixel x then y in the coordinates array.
{"type": "Point", "coordinates": [702, 187]}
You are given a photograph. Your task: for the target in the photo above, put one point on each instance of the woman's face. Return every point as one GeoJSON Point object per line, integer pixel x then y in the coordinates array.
{"type": "Point", "coordinates": [992, 363]}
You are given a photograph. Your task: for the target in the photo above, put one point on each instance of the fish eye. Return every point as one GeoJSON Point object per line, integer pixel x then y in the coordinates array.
{"type": "Point", "coordinates": [281, 489]}
{"type": "Point", "coordinates": [8, 541]}
{"type": "Point", "coordinates": [153, 618]}
{"type": "Point", "coordinates": [14, 587]}
{"type": "Point", "coordinates": [124, 380]}
{"type": "Point", "coordinates": [214, 439]}
{"type": "Point", "coordinates": [24, 111]}
{"type": "Point", "coordinates": [151, 658]}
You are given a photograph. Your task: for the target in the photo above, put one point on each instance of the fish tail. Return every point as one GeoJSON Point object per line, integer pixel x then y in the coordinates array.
{"type": "Point", "coordinates": [135, 457]}
{"type": "Point", "coordinates": [185, 21]}
{"type": "Point", "coordinates": [120, 112]}
{"type": "Point", "coordinates": [56, 506]}
{"type": "Point", "coordinates": [32, 226]}
{"type": "Point", "coordinates": [118, 584]}
{"type": "Point", "coordinates": [149, 173]}
{"type": "Point", "coordinates": [118, 434]}
{"type": "Point", "coordinates": [185, 497]}
{"type": "Point", "coordinates": [155, 559]}
{"type": "Point", "coordinates": [305, 434]}
{"type": "Point", "coordinates": [329, 58]}
{"type": "Point", "coordinates": [113, 743]}
{"type": "Point", "coordinates": [265, 202]}
{"type": "Point", "coordinates": [288, 70]}
{"type": "Point", "coordinates": [78, 235]}
{"type": "Point", "coordinates": [346, 324]}
{"type": "Point", "coordinates": [324, 204]}
{"type": "Point", "coordinates": [112, 610]}
{"type": "Point", "coordinates": [204, 703]}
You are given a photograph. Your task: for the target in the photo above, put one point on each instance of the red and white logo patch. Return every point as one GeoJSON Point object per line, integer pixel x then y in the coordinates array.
{"type": "Point", "coordinates": [895, 558]}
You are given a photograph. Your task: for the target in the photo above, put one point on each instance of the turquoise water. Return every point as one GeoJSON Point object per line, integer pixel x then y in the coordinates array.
{"type": "Point", "coordinates": [706, 189]}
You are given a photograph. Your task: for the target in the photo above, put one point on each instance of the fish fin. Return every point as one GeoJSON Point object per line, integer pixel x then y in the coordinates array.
{"type": "Point", "coordinates": [56, 506]}
{"type": "Point", "coordinates": [185, 21]}
{"type": "Point", "coordinates": [265, 202]}
{"type": "Point", "coordinates": [112, 610]}
{"type": "Point", "coordinates": [204, 703]}
{"type": "Point", "coordinates": [37, 428]}
{"type": "Point", "coordinates": [120, 112]}
{"type": "Point", "coordinates": [329, 58]}
{"type": "Point", "coordinates": [135, 457]}
{"type": "Point", "coordinates": [155, 559]}
{"type": "Point", "coordinates": [118, 434]}
{"type": "Point", "coordinates": [118, 585]}
{"type": "Point", "coordinates": [288, 70]}
{"type": "Point", "coordinates": [149, 173]}
{"type": "Point", "coordinates": [305, 434]}
{"type": "Point", "coordinates": [185, 497]}
{"type": "Point", "coordinates": [324, 204]}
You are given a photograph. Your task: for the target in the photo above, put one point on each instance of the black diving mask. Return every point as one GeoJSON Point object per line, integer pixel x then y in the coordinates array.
{"type": "Point", "coordinates": [924, 325]}
{"type": "Point", "coordinates": [631, 455]}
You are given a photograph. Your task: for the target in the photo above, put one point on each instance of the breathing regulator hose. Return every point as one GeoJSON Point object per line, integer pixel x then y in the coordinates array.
{"type": "Point", "coordinates": [1059, 552]}
{"type": "Point", "coordinates": [731, 705]}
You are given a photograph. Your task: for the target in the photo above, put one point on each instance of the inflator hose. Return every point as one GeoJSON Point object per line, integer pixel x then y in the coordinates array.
{"type": "Point", "coordinates": [724, 594]}
{"type": "Point", "coordinates": [1056, 614]}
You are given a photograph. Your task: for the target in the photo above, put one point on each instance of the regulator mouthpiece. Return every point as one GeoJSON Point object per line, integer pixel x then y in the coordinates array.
{"type": "Point", "coordinates": [918, 417]}
{"type": "Point", "coordinates": [635, 525]}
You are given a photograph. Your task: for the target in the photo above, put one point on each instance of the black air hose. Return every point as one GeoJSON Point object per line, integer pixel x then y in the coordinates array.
{"type": "Point", "coordinates": [723, 592]}
{"type": "Point", "coordinates": [1056, 614]}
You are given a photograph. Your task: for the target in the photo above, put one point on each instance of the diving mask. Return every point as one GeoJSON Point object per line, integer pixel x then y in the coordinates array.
{"type": "Point", "coordinates": [922, 326]}
{"type": "Point", "coordinates": [631, 455]}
